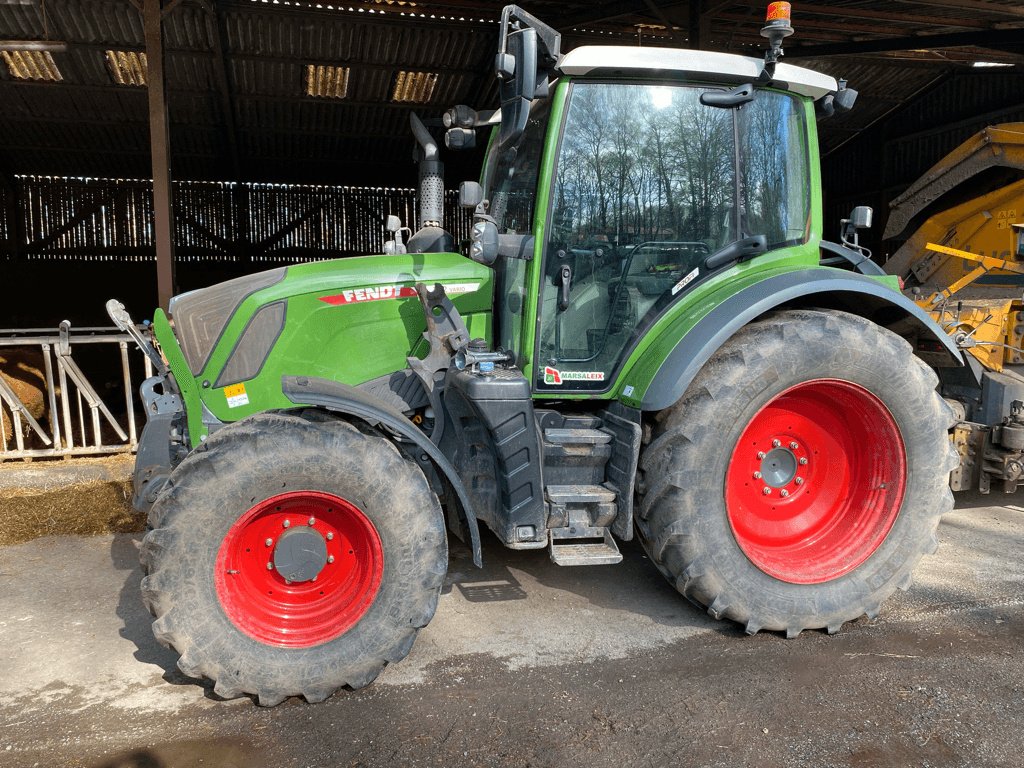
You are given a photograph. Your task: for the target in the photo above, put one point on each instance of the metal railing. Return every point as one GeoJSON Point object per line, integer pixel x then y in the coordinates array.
{"type": "Point", "coordinates": [76, 420]}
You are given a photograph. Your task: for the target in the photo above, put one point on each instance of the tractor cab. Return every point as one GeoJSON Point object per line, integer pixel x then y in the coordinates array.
{"type": "Point", "coordinates": [639, 176]}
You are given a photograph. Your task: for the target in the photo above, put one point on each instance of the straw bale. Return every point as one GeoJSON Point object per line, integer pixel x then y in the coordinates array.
{"type": "Point", "coordinates": [22, 369]}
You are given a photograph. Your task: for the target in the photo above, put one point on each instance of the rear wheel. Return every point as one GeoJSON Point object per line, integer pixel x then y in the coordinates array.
{"type": "Point", "coordinates": [293, 555]}
{"type": "Point", "coordinates": [801, 477]}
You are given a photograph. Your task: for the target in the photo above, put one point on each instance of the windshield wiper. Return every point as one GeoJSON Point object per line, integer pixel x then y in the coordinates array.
{"type": "Point", "coordinates": [737, 250]}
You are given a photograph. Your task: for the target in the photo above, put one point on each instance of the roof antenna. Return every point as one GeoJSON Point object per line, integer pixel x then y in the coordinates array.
{"type": "Point", "coordinates": [776, 28]}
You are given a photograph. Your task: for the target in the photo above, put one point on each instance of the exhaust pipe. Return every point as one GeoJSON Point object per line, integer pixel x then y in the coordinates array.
{"type": "Point", "coordinates": [431, 171]}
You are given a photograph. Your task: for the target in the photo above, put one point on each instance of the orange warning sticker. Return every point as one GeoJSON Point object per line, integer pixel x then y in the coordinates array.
{"type": "Point", "coordinates": [236, 395]}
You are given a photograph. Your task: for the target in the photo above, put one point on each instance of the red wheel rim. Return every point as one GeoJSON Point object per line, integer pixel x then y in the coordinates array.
{"type": "Point", "coordinates": [338, 585]}
{"type": "Point", "coordinates": [816, 481]}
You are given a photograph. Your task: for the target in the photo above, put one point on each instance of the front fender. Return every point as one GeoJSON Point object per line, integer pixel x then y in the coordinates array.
{"type": "Point", "coordinates": [342, 398]}
{"type": "Point", "coordinates": [822, 288]}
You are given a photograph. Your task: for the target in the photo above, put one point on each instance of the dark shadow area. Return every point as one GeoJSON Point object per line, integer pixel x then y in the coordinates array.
{"type": "Point", "coordinates": [137, 622]}
{"type": "Point", "coordinates": [492, 588]}
{"type": "Point", "coordinates": [634, 585]}
{"type": "Point", "coordinates": [220, 753]}
{"type": "Point", "coordinates": [974, 499]}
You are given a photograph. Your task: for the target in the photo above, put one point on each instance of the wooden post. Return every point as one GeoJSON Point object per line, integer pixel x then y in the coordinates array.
{"type": "Point", "coordinates": [696, 31]}
{"type": "Point", "coordinates": [15, 225]}
{"type": "Point", "coordinates": [159, 141]}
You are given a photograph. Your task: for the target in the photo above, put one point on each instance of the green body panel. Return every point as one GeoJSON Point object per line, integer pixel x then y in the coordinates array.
{"type": "Point", "coordinates": [188, 387]}
{"type": "Point", "coordinates": [669, 331]}
{"type": "Point", "coordinates": [355, 337]}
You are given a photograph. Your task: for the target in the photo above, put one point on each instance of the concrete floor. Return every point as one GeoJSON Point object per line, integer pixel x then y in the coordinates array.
{"type": "Point", "coordinates": [527, 664]}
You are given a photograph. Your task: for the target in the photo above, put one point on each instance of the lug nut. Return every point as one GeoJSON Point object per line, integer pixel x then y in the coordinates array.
{"type": "Point", "coordinates": [784, 493]}
{"type": "Point", "coordinates": [269, 542]}
{"type": "Point", "coordinates": [767, 491]}
{"type": "Point", "coordinates": [799, 481]}
{"type": "Point", "coordinates": [330, 536]}
{"type": "Point", "coordinates": [793, 446]}
{"type": "Point", "coordinates": [757, 475]}
{"type": "Point", "coordinates": [330, 558]}
{"type": "Point", "coordinates": [312, 521]}
{"type": "Point", "coordinates": [760, 454]}
{"type": "Point", "coordinates": [803, 461]}
{"type": "Point", "coordinates": [286, 523]}
{"type": "Point", "coordinates": [776, 443]}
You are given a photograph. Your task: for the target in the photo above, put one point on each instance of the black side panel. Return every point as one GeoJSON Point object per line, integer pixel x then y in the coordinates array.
{"type": "Point", "coordinates": [821, 288]}
{"type": "Point", "coordinates": [402, 390]}
{"type": "Point", "coordinates": [335, 396]}
{"type": "Point", "coordinates": [253, 345]}
{"type": "Point", "coordinates": [492, 438]}
{"type": "Point", "coordinates": [624, 423]}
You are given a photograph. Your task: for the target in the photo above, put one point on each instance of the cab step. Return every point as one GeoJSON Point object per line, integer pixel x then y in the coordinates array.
{"type": "Point", "coordinates": [580, 547]}
{"type": "Point", "coordinates": [579, 516]}
{"type": "Point", "coordinates": [577, 436]}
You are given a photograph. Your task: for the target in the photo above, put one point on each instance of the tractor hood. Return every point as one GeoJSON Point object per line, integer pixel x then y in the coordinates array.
{"type": "Point", "coordinates": [349, 320]}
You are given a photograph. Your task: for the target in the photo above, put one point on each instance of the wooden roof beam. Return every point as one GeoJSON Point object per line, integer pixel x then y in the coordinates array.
{"type": "Point", "coordinates": [999, 39]}
{"type": "Point", "coordinates": [223, 78]}
{"type": "Point", "coordinates": [996, 9]}
{"type": "Point", "coordinates": [871, 14]}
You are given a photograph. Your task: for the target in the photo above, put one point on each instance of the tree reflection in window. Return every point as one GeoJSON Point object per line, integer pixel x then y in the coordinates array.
{"type": "Point", "coordinates": [642, 163]}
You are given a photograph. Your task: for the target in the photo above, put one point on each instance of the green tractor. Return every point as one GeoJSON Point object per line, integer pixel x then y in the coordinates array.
{"type": "Point", "coordinates": [649, 338]}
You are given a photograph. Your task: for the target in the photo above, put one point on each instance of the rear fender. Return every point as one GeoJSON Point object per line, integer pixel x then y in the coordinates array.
{"type": "Point", "coordinates": [812, 288]}
{"type": "Point", "coordinates": [342, 398]}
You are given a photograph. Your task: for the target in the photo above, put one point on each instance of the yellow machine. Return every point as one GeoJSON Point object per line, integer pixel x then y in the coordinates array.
{"type": "Point", "coordinates": [963, 261]}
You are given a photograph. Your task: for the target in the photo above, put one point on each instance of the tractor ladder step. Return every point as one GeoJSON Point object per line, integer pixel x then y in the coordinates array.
{"type": "Point", "coordinates": [568, 436]}
{"type": "Point", "coordinates": [583, 537]}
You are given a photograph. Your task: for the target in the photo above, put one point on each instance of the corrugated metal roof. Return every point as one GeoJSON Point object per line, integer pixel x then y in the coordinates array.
{"type": "Point", "coordinates": [89, 125]}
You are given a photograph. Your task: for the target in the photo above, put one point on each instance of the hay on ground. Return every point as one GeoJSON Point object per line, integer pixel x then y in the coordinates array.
{"type": "Point", "coordinates": [53, 506]}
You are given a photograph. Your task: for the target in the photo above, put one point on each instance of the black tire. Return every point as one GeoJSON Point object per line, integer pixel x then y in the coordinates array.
{"type": "Point", "coordinates": [211, 493]}
{"type": "Point", "coordinates": [684, 518]}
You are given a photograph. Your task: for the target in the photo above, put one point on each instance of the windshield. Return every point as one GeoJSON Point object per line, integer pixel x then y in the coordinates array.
{"type": "Point", "coordinates": [649, 183]}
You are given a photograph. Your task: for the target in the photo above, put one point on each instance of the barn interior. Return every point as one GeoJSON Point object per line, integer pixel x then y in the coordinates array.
{"type": "Point", "coordinates": [155, 146]}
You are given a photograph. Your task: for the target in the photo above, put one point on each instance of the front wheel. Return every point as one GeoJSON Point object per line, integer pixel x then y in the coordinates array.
{"type": "Point", "coordinates": [801, 477]}
{"type": "Point", "coordinates": [291, 555]}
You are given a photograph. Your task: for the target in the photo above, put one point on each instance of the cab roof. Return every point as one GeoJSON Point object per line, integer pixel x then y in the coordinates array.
{"type": "Point", "coordinates": [610, 59]}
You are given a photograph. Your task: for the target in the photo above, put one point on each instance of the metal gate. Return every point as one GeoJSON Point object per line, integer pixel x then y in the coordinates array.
{"type": "Point", "coordinates": [76, 419]}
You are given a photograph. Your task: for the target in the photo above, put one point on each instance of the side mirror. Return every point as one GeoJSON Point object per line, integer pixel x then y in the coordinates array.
{"type": "Point", "coordinates": [395, 245]}
{"type": "Point", "coordinates": [471, 194]}
{"type": "Point", "coordinates": [844, 98]}
{"type": "Point", "coordinates": [460, 138]}
{"type": "Point", "coordinates": [517, 72]}
{"type": "Point", "coordinates": [484, 248]}
{"type": "Point", "coordinates": [861, 216]}
{"type": "Point", "coordinates": [460, 116]}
